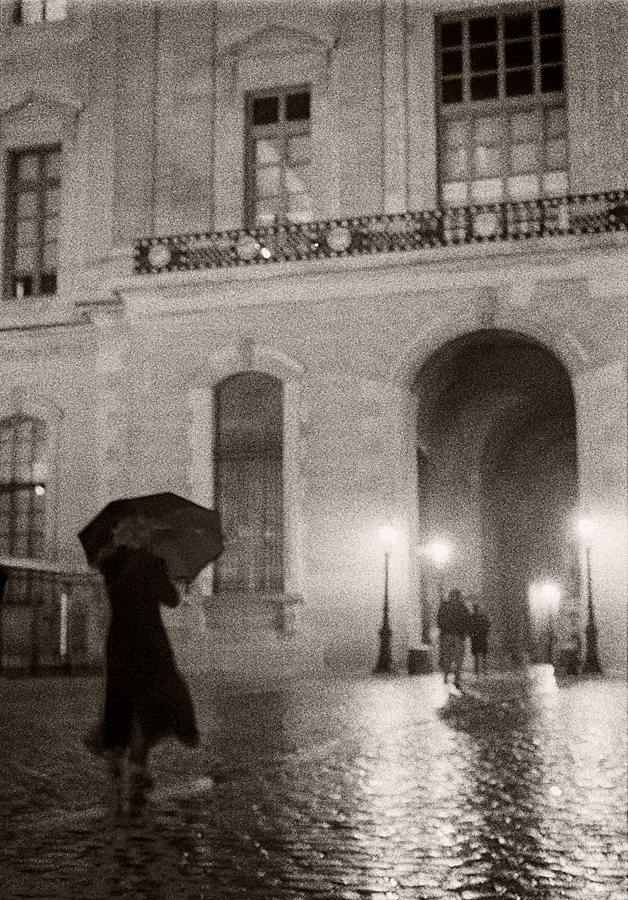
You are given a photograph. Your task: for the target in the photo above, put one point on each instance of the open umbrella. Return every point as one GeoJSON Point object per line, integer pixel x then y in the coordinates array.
{"type": "Point", "coordinates": [183, 533]}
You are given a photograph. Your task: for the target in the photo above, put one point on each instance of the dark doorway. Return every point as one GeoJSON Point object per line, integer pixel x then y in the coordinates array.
{"type": "Point", "coordinates": [497, 423]}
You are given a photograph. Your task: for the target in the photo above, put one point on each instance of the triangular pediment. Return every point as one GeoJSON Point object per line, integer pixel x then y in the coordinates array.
{"type": "Point", "coordinates": [278, 41]}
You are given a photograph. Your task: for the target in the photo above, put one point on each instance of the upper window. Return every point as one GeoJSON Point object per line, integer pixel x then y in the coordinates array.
{"type": "Point", "coordinates": [22, 486]}
{"type": "Point", "coordinates": [278, 158]}
{"type": "Point", "coordinates": [29, 12]}
{"type": "Point", "coordinates": [503, 122]}
{"type": "Point", "coordinates": [33, 221]}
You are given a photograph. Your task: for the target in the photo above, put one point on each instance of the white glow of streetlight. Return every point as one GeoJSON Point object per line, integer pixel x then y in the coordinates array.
{"type": "Point", "coordinates": [439, 552]}
{"type": "Point", "coordinates": [586, 529]}
{"type": "Point", "coordinates": [388, 536]}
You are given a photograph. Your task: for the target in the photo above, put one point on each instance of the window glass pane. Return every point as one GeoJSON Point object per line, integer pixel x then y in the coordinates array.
{"type": "Point", "coordinates": [297, 179]}
{"type": "Point", "coordinates": [483, 87]}
{"type": "Point", "coordinates": [25, 259]}
{"type": "Point", "coordinates": [551, 50]}
{"type": "Point", "coordinates": [451, 34]}
{"type": "Point", "coordinates": [52, 201]}
{"type": "Point", "coordinates": [525, 125]}
{"type": "Point", "coordinates": [266, 211]}
{"type": "Point", "coordinates": [452, 91]}
{"type": "Point", "coordinates": [53, 165]}
{"type": "Point", "coordinates": [523, 187]}
{"type": "Point", "coordinates": [297, 106]}
{"type": "Point", "coordinates": [267, 151]}
{"type": "Point", "coordinates": [517, 26]}
{"type": "Point", "coordinates": [489, 190]}
{"type": "Point", "coordinates": [26, 204]}
{"type": "Point", "coordinates": [524, 158]}
{"type": "Point", "coordinates": [55, 10]}
{"type": "Point", "coordinates": [551, 78]}
{"type": "Point", "coordinates": [28, 167]}
{"type": "Point", "coordinates": [265, 110]}
{"type": "Point", "coordinates": [50, 256]}
{"type": "Point", "coordinates": [26, 232]}
{"type": "Point", "coordinates": [452, 62]}
{"type": "Point", "coordinates": [487, 161]}
{"type": "Point", "coordinates": [299, 149]}
{"type": "Point", "coordinates": [488, 130]}
{"type": "Point", "coordinates": [556, 122]}
{"type": "Point", "coordinates": [550, 20]}
{"type": "Point", "coordinates": [519, 83]}
{"type": "Point", "coordinates": [51, 228]}
{"type": "Point", "coordinates": [455, 193]}
{"type": "Point", "coordinates": [483, 31]}
{"type": "Point", "coordinates": [268, 181]}
{"type": "Point", "coordinates": [48, 283]}
{"type": "Point", "coordinates": [22, 286]}
{"type": "Point", "coordinates": [556, 155]}
{"type": "Point", "coordinates": [555, 184]}
{"type": "Point", "coordinates": [483, 59]}
{"type": "Point", "coordinates": [519, 54]}
{"type": "Point", "coordinates": [300, 208]}
{"type": "Point", "coordinates": [456, 133]}
{"type": "Point", "coordinates": [456, 164]}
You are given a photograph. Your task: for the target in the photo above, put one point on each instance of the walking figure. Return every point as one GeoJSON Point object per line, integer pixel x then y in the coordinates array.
{"type": "Point", "coordinates": [479, 627]}
{"type": "Point", "coordinates": [146, 697]}
{"type": "Point", "coordinates": [452, 619]}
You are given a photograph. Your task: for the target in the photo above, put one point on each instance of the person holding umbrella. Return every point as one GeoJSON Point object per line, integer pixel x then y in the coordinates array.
{"type": "Point", "coordinates": [146, 696]}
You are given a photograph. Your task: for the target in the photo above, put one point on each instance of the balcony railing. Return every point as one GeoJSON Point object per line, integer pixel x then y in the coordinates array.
{"type": "Point", "coordinates": [480, 224]}
{"type": "Point", "coordinates": [51, 620]}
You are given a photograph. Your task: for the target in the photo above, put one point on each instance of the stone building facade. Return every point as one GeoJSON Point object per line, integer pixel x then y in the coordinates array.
{"type": "Point", "coordinates": [332, 267]}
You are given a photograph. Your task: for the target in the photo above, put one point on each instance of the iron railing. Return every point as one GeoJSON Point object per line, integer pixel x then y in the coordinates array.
{"type": "Point", "coordinates": [51, 620]}
{"type": "Point", "coordinates": [479, 224]}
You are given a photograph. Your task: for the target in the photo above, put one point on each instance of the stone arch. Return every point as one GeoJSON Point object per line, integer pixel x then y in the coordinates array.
{"type": "Point", "coordinates": [497, 422]}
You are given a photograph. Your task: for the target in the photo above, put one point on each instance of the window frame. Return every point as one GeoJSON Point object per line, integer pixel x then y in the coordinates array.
{"type": "Point", "coordinates": [471, 111]}
{"type": "Point", "coordinates": [42, 186]}
{"type": "Point", "coordinates": [282, 130]}
{"type": "Point", "coordinates": [35, 536]}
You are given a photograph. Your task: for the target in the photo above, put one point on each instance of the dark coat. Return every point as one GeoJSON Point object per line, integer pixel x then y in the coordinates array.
{"type": "Point", "coordinates": [479, 627]}
{"type": "Point", "coordinates": [453, 617]}
{"type": "Point", "coordinates": [142, 677]}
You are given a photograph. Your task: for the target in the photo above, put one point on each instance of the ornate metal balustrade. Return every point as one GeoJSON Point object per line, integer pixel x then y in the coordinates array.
{"type": "Point", "coordinates": [483, 223]}
{"type": "Point", "coordinates": [51, 619]}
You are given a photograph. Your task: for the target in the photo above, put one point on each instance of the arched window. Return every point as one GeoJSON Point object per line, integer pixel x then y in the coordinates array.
{"type": "Point", "coordinates": [22, 486]}
{"type": "Point", "coordinates": [249, 482]}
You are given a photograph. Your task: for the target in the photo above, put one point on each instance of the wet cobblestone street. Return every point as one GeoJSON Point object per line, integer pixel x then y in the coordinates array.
{"type": "Point", "coordinates": [384, 788]}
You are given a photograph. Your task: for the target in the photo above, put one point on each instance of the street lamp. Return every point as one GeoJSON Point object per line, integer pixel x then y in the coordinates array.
{"type": "Point", "coordinates": [591, 666]}
{"type": "Point", "coordinates": [388, 537]}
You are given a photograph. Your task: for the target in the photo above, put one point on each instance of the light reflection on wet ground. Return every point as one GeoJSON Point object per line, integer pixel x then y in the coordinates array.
{"type": "Point", "coordinates": [372, 788]}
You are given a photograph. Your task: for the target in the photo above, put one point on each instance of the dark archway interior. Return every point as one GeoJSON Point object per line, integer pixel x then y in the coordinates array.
{"type": "Point", "coordinates": [498, 475]}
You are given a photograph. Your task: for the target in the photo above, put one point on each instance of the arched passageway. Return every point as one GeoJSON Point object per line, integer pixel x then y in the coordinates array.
{"type": "Point", "coordinates": [498, 482]}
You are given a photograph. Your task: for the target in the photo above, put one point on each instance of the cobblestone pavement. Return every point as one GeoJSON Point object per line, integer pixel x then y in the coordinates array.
{"type": "Point", "coordinates": [386, 788]}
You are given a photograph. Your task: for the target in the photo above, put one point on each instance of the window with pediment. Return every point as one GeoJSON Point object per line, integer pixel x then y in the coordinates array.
{"type": "Point", "coordinates": [502, 107]}
{"type": "Point", "coordinates": [23, 467]}
{"type": "Point", "coordinates": [248, 467]}
{"type": "Point", "coordinates": [33, 201]}
{"type": "Point", "coordinates": [278, 157]}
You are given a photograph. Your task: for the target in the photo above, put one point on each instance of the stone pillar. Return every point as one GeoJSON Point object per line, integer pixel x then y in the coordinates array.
{"type": "Point", "coordinates": [601, 402]}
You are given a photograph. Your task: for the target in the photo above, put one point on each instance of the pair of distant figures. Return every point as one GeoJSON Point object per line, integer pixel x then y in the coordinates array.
{"type": "Point", "coordinates": [455, 622]}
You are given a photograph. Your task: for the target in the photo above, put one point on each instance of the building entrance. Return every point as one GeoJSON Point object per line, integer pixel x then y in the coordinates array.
{"type": "Point", "coordinates": [498, 486]}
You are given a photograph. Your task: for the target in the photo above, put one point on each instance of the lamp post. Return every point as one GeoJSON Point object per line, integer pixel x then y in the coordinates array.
{"type": "Point", "coordinates": [591, 666]}
{"type": "Point", "coordinates": [388, 537]}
